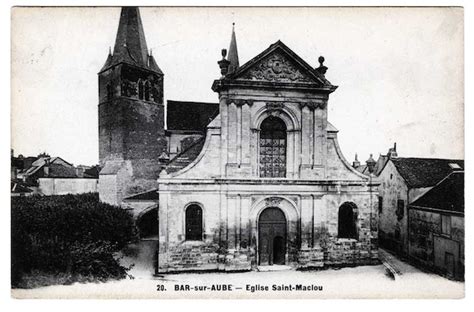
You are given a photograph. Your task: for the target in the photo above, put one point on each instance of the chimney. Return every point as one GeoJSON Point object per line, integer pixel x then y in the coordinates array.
{"type": "Point", "coordinates": [392, 152]}
{"type": "Point", "coordinates": [356, 163]}
{"type": "Point", "coordinates": [46, 168]}
{"type": "Point", "coordinates": [371, 164]}
{"type": "Point", "coordinates": [80, 172]}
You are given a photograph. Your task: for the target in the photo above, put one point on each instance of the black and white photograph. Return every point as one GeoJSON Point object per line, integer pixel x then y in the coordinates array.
{"type": "Point", "coordinates": [162, 152]}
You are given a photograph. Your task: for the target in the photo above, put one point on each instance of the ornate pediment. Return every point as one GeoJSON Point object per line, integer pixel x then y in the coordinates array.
{"type": "Point", "coordinates": [276, 67]}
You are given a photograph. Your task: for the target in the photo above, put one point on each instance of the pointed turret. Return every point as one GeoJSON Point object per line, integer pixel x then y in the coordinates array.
{"type": "Point", "coordinates": [108, 61]}
{"type": "Point", "coordinates": [152, 64]}
{"type": "Point", "coordinates": [233, 56]}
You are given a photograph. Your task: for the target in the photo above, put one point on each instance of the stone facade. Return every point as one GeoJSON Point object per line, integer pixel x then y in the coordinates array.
{"type": "Point", "coordinates": [225, 180]}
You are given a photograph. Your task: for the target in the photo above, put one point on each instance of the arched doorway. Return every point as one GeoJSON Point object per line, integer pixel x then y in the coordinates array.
{"type": "Point", "coordinates": [347, 221]}
{"type": "Point", "coordinates": [271, 237]}
{"type": "Point", "coordinates": [147, 224]}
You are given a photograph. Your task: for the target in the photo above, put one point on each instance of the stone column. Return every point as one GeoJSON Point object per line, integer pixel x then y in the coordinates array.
{"type": "Point", "coordinates": [245, 225]}
{"type": "Point", "coordinates": [246, 136]}
{"type": "Point", "coordinates": [231, 217]}
{"type": "Point", "coordinates": [290, 153]}
{"type": "Point", "coordinates": [232, 133]}
{"type": "Point", "coordinates": [306, 221]}
{"type": "Point", "coordinates": [238, 134]}
{"type": "Point", "coordinates": [163, 232]}
{"type": "Point", "coordinates": [318, 136]}
{"type": "Point", "coordinates": [224, 131]}
{"type": "Point", "coordinates": [305, 134]}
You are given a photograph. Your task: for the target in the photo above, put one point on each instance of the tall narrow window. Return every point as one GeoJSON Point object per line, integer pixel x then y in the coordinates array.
{"type": "Point", "coordinates": [347, 219]}
{"type": "Point", "coordinates": [147, 90]}
{"type": "Point", "coordinates": [446, 225]}
{"type": "Point", "coordinates": [109, 92]}
{"type": "Point", "coordinates": [140, 90]}
{"type": "Point", "coordinates": [400, 212]}
{"type": "Point", "coordinates": [273, 148]}
{"type": "Point", "coordinates": [193, 223]}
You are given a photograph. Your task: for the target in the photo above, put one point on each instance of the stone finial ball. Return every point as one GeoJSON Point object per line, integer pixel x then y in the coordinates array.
{"type": "Point", "coordinates": [223, 52]}
{"type": "Point", "coordinates": [321, 60]}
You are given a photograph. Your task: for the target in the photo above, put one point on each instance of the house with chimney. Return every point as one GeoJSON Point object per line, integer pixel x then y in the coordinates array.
{"type": "Point", "coordinates": [402, 181]}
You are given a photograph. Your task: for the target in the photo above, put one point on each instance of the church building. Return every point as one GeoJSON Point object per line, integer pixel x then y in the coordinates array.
{"type": "Point", "coordinates": [255, 179]}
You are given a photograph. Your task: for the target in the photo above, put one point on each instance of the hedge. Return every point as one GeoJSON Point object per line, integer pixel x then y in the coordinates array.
{"type": "Point", "coordinates": [72, 234]}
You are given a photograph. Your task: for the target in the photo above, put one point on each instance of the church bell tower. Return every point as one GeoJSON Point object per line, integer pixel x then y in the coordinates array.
{"type": "Point", "coordinates": [131, 114]}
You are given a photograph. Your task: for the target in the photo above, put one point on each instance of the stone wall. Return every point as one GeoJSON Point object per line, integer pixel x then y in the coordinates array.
{"type": "Point", "coordinates": [62, 186]}
{"type": "Point", "coordinates": [428, 244]}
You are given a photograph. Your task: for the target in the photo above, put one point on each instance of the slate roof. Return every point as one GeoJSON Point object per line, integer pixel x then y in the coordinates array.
{"type": "Point", "coordinates": [190, 116]}
{"type": "Point", "coordinates": [130, 44]}
{"type": "Point", "coordinates": [424, 172]}
{"type": "Point", "coordinates": [446, 195]}
{"type": "Point", "coordinates": [150, 195]}
{"type": "Point", "coordinates": [185, 157]}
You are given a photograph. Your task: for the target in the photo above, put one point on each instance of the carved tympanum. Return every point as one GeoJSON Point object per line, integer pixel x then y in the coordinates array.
{"type": "Point", "coordinates": [276, 68]}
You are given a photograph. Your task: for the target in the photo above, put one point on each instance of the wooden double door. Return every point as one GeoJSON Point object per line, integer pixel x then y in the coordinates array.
{"type": "Point", "coordinates": [272, 237]}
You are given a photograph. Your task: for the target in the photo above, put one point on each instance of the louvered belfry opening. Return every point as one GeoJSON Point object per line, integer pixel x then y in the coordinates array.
{"type": "Point", "coordinates": [273, 148]}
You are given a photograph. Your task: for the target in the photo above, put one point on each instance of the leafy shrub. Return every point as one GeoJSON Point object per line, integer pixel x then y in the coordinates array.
{"type": "Point", "coordinates": [72, 234]}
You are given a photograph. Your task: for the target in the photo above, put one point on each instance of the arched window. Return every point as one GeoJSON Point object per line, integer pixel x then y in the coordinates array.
{"type": "Point", "coordinates": [347, 219]}
{"type": "Point", "coordinates": [193, 223]}
{"type": "Point", "coordinates": [140, 90]}
{"type": "Point", "coordinates": [273, 148]}
{"type": "Point", "coordinates": [147, 90]}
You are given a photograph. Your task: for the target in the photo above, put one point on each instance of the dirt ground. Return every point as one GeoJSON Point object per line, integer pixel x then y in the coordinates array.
{"type": "Point", "coordinates": [357, 282]}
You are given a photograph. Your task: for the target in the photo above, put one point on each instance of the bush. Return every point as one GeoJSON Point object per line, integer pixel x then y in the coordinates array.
{"type": "Point", "coordinates": [72, 234]}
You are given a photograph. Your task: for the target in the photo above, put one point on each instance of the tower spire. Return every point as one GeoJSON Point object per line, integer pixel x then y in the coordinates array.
{"type": "Point", "coordinates": [130, 44]}
{"type": "Point", "coordinates": [233, 55]}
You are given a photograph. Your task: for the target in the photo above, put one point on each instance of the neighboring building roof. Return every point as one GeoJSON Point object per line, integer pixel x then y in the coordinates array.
{"type": "Point", "coordinates": [362, 169]}
{"type": "Point", "coordinates": [446, 195]}
{"type": "Point", "coordinates": [185, 157]}
{"type": "Point", "coordinates": [381, 161]}
{"type": "Point", "coordinates": [41, 162]}
{"type": "Point", "coordinates": [190, 115]}
{"type": "Point", "coordinates": [61, 171]}
{"type": "Point", "coordinates": [424, 172]}
{"type": "Point", "coordinates": [92, 172]}
{"type": "Point", "coordinates": [150, 195]}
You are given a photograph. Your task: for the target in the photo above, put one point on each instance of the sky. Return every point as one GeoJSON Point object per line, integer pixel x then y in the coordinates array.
{"type": "Point", "coordinates": [399, 71]}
